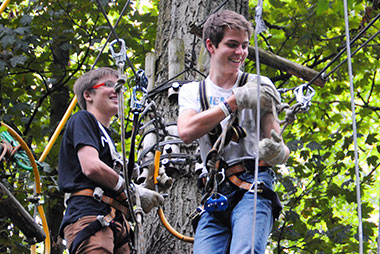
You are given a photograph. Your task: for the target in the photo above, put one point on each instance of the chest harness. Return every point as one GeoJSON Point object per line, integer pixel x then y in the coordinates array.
{"type": "Point", "coordinates": [119, 203]}
{"type": "Point", "coordinates": [218, 170]}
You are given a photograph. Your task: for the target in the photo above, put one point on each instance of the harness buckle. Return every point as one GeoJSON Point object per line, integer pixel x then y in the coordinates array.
{"type": "Point", "coordinates": [260, 187]}
{"type": "Point", "coordinates": [102, 221]}
{"type": "Point", "coordinates": [98, 194]}
{"type": "Point", "coordinates": [196, 213]}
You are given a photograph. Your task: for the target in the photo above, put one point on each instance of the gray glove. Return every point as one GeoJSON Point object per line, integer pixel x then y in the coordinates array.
{"type": "Point", "coordinates": [246, 96]}
{"type": "Point", "coordinates": [271, 150]}
{"type": "Point", "coordinates": [149, 198]}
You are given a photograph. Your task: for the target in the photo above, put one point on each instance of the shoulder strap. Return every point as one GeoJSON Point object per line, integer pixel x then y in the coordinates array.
{"type": "Point", "coordinates": [203, 96]}
{"type": "Point", "coordinates": [116, 157]}
{"type": "Point", "coordinates": [243, 79]}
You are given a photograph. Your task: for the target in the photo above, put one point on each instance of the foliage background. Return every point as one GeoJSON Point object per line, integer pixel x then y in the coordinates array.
{"type": "Point", "coordinates": [46, 45]}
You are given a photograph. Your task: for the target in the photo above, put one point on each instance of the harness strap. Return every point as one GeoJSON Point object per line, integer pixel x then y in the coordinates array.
{"type": "Point", "coordinates": [236, 132]}
{"type": "Point", "coordinates": [91, 229]}
{"type": "Point", "coordinates": [261, 189]}
{"type": "Point", "coordinates": [108, 200]}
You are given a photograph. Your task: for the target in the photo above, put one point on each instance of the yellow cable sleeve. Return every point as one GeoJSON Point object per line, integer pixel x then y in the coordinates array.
{"type": "Point", "coordinates": [58, 129]}
{"type": "Point", "coordinates": [171, 229]}
{"type": "Point", "coordinates": [3, 5]}
{"type": "Point", "coordinates": [37, 184]}
{"type": "Point", "coordinates": [157, 156]}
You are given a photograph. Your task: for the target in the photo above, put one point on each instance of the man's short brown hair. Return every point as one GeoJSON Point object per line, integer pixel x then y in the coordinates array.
{"type": "Point", "coordinates": [88, 80]}
{"type": "Point", "coordinates": [216, 24]}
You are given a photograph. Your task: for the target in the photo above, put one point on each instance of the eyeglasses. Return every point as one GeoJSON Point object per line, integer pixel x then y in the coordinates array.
{"type": "Point", "coordinates": [109, 83]}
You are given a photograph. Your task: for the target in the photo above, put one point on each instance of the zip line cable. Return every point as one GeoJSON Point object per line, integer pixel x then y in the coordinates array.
{"type": "Point", "coordinates": [361, 46]}
{"type": "Point", "coordinates": [343, 50]}
{"type": "Point", "coordinates": [114, 32]}
{"type": "Point", "coordinates": [360, 233]}
{"type": "Point", "coordinates": [109, 35]}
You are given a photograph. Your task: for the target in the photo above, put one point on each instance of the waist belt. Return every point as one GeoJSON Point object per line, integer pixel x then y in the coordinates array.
{"type": "Point", "coordinates": [108, 200]}
{"type": "Point", "coordinates": [261, 188]}
{"type": "Point", "coordinates": [240, 168]}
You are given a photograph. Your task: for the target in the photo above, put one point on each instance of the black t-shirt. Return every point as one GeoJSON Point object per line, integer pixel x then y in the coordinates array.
{"type": "Point", "coordinates": [82, 130]}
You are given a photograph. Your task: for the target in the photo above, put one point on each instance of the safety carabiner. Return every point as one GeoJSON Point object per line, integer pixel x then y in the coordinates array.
{"type": "Point", "coordinates": [121, 56]}
{"type": "Point", "coordinates": [304, 93]}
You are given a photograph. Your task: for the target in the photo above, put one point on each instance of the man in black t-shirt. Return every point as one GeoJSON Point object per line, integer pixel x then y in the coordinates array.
{"type": "Point", "coordinates": [95, 218]}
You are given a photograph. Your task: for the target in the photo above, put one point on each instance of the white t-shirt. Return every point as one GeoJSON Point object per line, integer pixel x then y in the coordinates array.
{"type": "Point", "coordinates": [234, 152]}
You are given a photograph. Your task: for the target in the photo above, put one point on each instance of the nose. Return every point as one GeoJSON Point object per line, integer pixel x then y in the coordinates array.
{"type": "Point", "coordinates": [239, 50]}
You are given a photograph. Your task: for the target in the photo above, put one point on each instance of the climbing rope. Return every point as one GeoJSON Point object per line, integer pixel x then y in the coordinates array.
{"type": "Point", "coordinates": [357, 180]}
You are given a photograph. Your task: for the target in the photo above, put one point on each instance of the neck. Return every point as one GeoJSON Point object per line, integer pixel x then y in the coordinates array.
{"type": "Point", "coordinates": [223, 80]}
{"type": "Point", "coordinates": [105, 120]}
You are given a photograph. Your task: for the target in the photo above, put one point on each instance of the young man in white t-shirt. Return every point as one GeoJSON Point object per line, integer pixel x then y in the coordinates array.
{"type": "Point", "coordinates": [226, 36]}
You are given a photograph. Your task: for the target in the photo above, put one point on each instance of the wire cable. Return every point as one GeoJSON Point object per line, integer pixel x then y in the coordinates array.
{"type": "Point", "coordinates": [360, 233]}
{"type": "Point", "coordinates": [258, 29]}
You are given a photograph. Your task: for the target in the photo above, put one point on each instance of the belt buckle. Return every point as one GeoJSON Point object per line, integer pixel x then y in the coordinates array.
{"type": "Point", "coordinates": [102, 221]}
{"type": "Point", "coordinates": [259, 187]}
{"type": "Point", "coordinates": [98, 194]}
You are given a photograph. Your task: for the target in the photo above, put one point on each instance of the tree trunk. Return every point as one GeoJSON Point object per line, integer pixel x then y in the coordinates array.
{"type": "Point", "coordinates": [174, 22]}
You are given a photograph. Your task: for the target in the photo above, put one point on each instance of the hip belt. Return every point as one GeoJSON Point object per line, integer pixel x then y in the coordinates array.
{"type": "Point", "coordinates": [97, 194]}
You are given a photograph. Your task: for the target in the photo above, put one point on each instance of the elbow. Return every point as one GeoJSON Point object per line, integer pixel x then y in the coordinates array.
{"type": "Point", "coordinates": [185, 137]}
{"type": "Point", "coordinates": [90, 170]}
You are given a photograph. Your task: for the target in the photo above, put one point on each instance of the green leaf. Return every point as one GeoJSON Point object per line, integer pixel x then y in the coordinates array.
{"type": "Point", "coordinates": [17, 60]}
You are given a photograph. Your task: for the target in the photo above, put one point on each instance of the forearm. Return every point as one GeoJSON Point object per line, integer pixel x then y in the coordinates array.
{"type": "Point", "coordinates": [95, 169]}
{"type": "Point", "coordinates": [193, 125]}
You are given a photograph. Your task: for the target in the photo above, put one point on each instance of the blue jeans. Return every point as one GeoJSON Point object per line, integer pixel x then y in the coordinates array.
{"type": "Point", "coordinates": [231, 231]}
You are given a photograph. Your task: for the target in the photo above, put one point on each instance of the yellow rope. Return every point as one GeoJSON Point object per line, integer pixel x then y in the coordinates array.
{"type": "Point", "coordinates": [37, 186]}
{"type": "Point", "coordinates": [3, 5]}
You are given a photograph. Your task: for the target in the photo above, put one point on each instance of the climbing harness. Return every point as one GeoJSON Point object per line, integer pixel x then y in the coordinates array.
{"type": "Point", "coordinates": [236, 132]}
{"type": "Point", "coordinates": [101, 220]}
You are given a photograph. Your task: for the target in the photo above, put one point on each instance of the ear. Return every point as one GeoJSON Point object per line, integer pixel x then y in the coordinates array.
{"type": "Point", "coordinates": [87, 95]}
{"type": "Point", "coordinates": [210, 47]}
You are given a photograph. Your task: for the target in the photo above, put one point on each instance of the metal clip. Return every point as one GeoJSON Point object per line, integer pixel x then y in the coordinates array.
{"type": "Point", "coordinates": [141, 80]}
{"type": "Point", "coordinates": [260, 187]}
{"type": "Point", "coordinates": [302, 98]}
{"type": "Point", "coordinates": [196, 213]}
{"type": "Point", "coordinates": [136, 105]}
{"type": "Point", "coordinates": [98, 194]}
{"type": "Point", "coordinates": [102, 221]}
{"type": "Point", "coordinates": [221, 176]}
{"type": "Point", "coordinates": [121, 56]}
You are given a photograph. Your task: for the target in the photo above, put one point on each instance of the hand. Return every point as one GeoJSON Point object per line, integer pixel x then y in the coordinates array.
{"type": "Point", "coordinates": [246, 96]}
{"type": "Point", "coordinates": [149, 198]}
{"type": "Point", "coordinates": [271, 150]}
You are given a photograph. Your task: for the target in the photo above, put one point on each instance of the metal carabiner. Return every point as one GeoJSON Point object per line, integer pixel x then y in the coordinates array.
{"type": "Point", "coordinates": [141, 80]}
{"type": "Point", "coordinates": [302, 98]}
{"type": "Point", "coordinates": [121, 56]}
